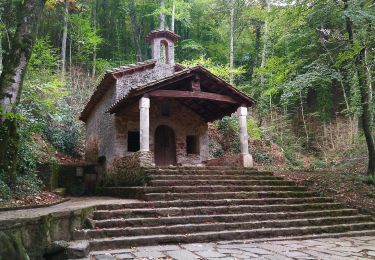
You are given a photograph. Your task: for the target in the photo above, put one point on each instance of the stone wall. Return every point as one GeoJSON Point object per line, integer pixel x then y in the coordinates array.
{"type": "Point", "coordinates": [34, 236]}
{"type": "Point", "coordinates": [105, 134]}
{"type": "Point", "coordinates": [100, 129]}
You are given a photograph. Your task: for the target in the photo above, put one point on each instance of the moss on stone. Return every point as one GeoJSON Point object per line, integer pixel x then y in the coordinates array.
{"type": "Point", "coordinates": [11, 247]}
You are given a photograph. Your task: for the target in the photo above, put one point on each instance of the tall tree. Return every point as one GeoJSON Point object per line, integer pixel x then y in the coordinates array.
{"type": "Point", "coordinates": [360, 66]}
{"type": "Point", "coordinates": [64, 38]}
{"type": "Point", "coordinates": [231, 51]}
{"type": "Point", "coordinates": [15, 64]}
{"type": "Point", "coordinates": [162, 15]}
{"type": "Point", "coordinates": [265, 43]}
{"type": "Point", "coordinates": [173, 14]}
{"type": "Point", "coordinates": [135, 29]}
{"type": "Point", "coordinates": [94, 18]}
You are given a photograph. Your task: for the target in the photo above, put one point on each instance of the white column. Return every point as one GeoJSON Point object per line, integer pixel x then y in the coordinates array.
{"type": "Point", "coordinates": [144, 124]}
{"type": "Point", "coordinates": [247, 159]}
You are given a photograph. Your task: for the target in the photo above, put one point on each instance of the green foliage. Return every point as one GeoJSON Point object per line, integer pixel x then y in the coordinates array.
{"type": "Point", "coordinates": [63, 132]}
{"type": "Point", "coordinates": [85, 38]}
{"type": "Point", "coordinates": [229, 128]}
{"type": "Point", "coordinates": [319, 164]}
{"type": "Point", "coordinates": [254, 131]}
{"type": "Point", "coordinates": [228, 125]}
{"type": "Point", "coordinates": [215, 148]}
{"type": "Point", "coordinates": [219, 70]}
{"type": "Point", "coordinates": [43, 102]}
{"type": "Point", "coordinates": [263, 158]}
{"type": "Point", "coordinates": [369, 180]}
{"type": "Point", "coordinates": [5, 191]}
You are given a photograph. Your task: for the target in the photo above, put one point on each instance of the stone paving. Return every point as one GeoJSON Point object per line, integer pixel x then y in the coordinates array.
{"type": "Point", "coordinates": [326, 248]}
{"type": "Point", "coordinates": [72, 204]}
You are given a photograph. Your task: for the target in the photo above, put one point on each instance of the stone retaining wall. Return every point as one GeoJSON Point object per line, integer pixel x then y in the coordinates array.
{"type": "Point", "coordinates": [33, 237]}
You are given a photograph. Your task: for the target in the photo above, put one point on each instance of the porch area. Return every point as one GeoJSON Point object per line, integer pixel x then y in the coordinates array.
{"type": "Point", "coordinates": [166, 122]}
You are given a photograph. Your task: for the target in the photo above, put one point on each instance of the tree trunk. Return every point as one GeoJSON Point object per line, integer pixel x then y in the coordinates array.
{"type": "Point", "coordinates": [15, 64]}
{"type": "Point", "coordinates": [1, 53]}
{"type": "Point", "coordinates": [162, 15]}
{"type": "Point", "coordinates": [303, 118]}
{"type": "Point", "coordinates": [265, 44]}
{"type": "Point", "coordinates": [366, 111]}
{"type": "Point", "coordinates": [94, 25]}
{"type": "Point", "coordinates": [257, 45]}
{"type": "Point", "coordinates": [70, 56]}
{"type": "Point", "coordinates": [231, 54]}
{"type": "Point", "coordinates": [366, 116]}
{"type": "Point", "coordinates": [173, 14]}
{"type": "Point", "coordinates": [64, 39]}
{"type": "Point", "coordinates": [369, 78]}
{"type": "Point", "coordinates": [135, 29]}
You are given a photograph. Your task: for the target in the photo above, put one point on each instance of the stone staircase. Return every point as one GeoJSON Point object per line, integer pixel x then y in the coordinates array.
{"type": "Point", "coordinates": [189, 205]}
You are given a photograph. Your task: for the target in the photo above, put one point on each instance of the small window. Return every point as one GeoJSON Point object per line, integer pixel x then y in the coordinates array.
{"type": "Point", "coordinates": [133, 141]}
{"type": "Point", "coordinates": [165, 111]}
{"type": "Point", "coordinates": [192, 144]}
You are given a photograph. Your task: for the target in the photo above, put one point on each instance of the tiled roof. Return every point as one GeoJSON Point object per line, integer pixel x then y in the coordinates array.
{"type": "Point", "coordinates": [162, 33]}
{"type": "Point", "coordinates": [108, 80]}
{"type": "Point", "coordinates": [138, 88]}
{"type": "Point", "coordinates": [184, 73]}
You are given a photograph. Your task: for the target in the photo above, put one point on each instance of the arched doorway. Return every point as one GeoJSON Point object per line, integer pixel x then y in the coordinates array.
{"type": "Point", "coordinates": [165, 146]}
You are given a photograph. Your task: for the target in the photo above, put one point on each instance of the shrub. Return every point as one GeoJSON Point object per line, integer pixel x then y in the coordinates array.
{"type": "Point", "coordinates": [263, 158]}
{"type": "Point", "coordinates": [254, 131]}
{"type": "Point", "coordinates": [126, 172]}
{"type": "Point", "coordinates": [5, 192]}
{"type": "Point", "coordinates": [229, 128]}
{"type": "Point", "coordinates": [27, 184]}
{"type": "Point", "coordinates": [64, 133]}
{"type": "Point", "coordinates": [319, 164]}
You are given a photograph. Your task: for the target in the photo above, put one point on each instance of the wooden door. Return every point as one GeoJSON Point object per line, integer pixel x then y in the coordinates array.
{"type": "Point", "coordinates": [165, 146]}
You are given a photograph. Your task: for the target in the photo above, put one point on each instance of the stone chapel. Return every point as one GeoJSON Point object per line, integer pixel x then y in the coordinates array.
{"type": "Point", "coordinates": [158, 111]}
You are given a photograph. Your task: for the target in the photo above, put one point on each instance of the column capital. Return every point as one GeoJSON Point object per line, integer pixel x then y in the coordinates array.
{"type": "Point", "coordinates": [144, 102]}
{"type": "Point", "coordinates": [242, 111]}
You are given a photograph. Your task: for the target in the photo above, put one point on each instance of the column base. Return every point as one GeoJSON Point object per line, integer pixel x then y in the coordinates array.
{"type": "Point", "coordinates": [247, 160]}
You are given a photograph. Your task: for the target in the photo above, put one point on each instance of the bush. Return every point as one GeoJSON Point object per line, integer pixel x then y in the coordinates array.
{"type": "Point", "coordinates": [5, 192]}
{"type": "Point", "coordinates": [229, 128]}
{"type": "Point", "coordinates": [263, 158]}
{"type": "Point", "coordinates": [319, 164]}
{"type": "Point", "coordinates": [126, 172]}
{"type": "Point", "coordinates": [64, 133]}
{"type": "Point", "coordinates": [254, 131]}
{"type": "Point", "coordinates": [369, 180]}
{"type": "Point", "coordinates": [27, 184]}
{"type": "Point", "coordinates": [215, 148]}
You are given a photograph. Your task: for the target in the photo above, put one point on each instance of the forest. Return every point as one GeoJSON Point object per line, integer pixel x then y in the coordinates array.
{"type": "Point", "coordinates": [308, 63]}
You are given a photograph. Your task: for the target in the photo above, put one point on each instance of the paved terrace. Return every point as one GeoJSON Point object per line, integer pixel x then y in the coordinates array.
{"type": "Point", "coordinates": [72, 204]}
{"type": "Point", "coordinates": [327, 248]}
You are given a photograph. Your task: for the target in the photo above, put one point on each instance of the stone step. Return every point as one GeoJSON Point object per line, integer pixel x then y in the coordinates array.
{"type": "Point", "coordinates": [123, 192]}
{"type": "Point", "coordinates": [219, 188]}
{"type": "Point", "coordinates": [223, 202]}
{"type": "Point", "coordinates": [123, 242]}
{"type": "Point", "coordinates": [213, 177]}
{"type": "Point", "coordinates": [186, 211]}
{"type": "Point", "coordinates": [185, 168]}
{"type": "Point", "coordinates": [229, 195]}
{"type": "Point", "coordinates": [199, 219]}
{"type": "Point", "coordinates": [214, 226]}
{"type": "Point", "coordinates": [157, 183]}
{"type": "Point", "coordinates": [210, 172]}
